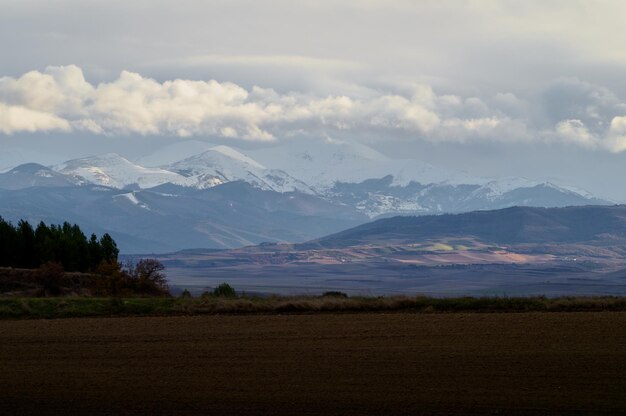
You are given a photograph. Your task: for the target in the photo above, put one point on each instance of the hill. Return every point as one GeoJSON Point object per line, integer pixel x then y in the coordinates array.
{"type": "Point", "coordinates": [514, 251]}
{"type": "Point", "coordinates": [516, 225]}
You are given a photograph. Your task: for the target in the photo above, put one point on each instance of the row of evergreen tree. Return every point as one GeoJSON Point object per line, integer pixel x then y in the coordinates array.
{"type": "Point", "coordinates": [23, 246]}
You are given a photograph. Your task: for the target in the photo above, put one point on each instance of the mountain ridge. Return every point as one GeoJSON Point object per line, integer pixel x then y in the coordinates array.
{"type": "Point", "coordinates": [353, 183]}
{"type": "Point", "coordinates": [509, 225]}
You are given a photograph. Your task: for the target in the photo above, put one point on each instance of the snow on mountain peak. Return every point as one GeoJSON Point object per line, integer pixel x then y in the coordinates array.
{"type": "Point", "coordinates": [221, 164]}
{"type": "Point", "coordinates": [348, 172]}
{"type": "Point", "coordinates": [236, 155]}
{"type": "Point", "coordinates": [115, 171]}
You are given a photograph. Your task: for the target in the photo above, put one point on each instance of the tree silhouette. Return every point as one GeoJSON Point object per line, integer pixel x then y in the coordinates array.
{"type": "Point", "coordinates": [24, 247]}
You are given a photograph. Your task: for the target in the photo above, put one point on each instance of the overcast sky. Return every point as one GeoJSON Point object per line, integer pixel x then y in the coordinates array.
{"type": "Point", "coordinates": [497, 88]}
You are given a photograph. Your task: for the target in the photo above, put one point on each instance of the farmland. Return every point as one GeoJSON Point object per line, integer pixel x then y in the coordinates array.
{"type": "Point", "coordinates": [350, 364]}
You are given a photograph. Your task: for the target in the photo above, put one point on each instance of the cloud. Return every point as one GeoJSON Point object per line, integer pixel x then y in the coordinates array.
{"type": "Point", "coordinates": [613, 140]}
{"type": "Point", "coordinates": [61, 99]}
{"type": "Point", "coordinates": [571, 98]}
{"type": "Point", "coordinates": [19, 119]}
{"type": "Point", "coordinates": [616, 142]}
{"type": "Point", "coordinates": [575, 131]}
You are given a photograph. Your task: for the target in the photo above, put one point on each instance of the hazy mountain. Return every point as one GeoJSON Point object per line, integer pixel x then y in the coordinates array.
{"type": "Point", "coordinates": [323, 163]}
{"type": "Point", "coordinates": [222, 197]}
{"type": "Point", "coordinates": [34, 175]}
{"type": "Point", "coordinates": [380, 197]}
{"type": "Point", "coordinates": [170, 217]}
{"type": "Point", "coordinates": [11, 157]}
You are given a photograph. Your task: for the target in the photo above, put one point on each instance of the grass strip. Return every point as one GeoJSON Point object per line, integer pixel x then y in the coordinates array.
{"type": "Point", "coordinates": [72, 307]}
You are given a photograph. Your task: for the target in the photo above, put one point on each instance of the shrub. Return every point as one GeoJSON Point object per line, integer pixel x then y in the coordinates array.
{"type": "Point", "coordinates": [50, 275]}
{"type": "Point", "coordinates": [148, 277]}
{"type": "Point", "coordinates": [186, 294]}
{"type": "Point", "coordinates": [334, 294]}
{"type": "Point", "coordinates": [224, 291]}
{"type": "Point", "coordinates": [110, 280]}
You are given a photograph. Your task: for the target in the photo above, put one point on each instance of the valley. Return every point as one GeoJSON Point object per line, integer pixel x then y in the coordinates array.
{"type": "Point", "coordinates": [515, 251]}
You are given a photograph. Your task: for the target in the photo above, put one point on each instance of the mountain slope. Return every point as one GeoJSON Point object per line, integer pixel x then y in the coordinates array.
{"type": "Point", "coordinates": [515, 225]}
{"type": "Point", "coordinates": [380, 197]}
{"type": "Point", "coordinates": [171, 218]}
{"type": "Point", "coordinates": [34, 175]}
{"type": "Point", "coordinates": [115, 171]}
{"type": "Point", "coordinates": [223, 164]}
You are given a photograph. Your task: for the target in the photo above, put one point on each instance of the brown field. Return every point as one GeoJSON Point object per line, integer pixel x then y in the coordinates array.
{"type": "Point", "coordinates": [343, 364]}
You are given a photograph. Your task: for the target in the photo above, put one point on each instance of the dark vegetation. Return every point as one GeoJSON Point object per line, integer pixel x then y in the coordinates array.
{"type": "Point", "coordinates": [23, 246]}
{"type": "Point", "coordinates": [58, 307]}
{"type": "Point", "coordinates": [224, 290]}
{"type": "Point", "coordinates": [59, 260]}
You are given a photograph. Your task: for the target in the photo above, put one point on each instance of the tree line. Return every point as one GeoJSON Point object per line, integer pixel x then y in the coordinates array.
{"type": "Point", "coordinates": [53, 250]}
{"type": "Point", "coordinates": [25, 246]}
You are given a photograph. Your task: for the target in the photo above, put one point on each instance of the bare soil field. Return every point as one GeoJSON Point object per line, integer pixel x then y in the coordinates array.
{"type": "Point", "coordinates": [335, 364]}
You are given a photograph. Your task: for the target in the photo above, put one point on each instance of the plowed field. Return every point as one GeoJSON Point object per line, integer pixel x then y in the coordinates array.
{"type": "Point", "coordinates": [347, 364]}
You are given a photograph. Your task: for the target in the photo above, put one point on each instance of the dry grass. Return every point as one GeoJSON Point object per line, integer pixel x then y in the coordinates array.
{"type": "Point", "coordinates": [13, 308]}
{"type": "Point", "coordinates": [402, 303]}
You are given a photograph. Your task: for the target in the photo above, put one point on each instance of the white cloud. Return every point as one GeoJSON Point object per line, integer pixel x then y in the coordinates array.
{"type": "Point", "coordinates": [20, 119]}
{"type": "Point", "coordinates": [133, 104]}
{"type": "Point", "coordinates": [616, 142]}
{"type": "Point", "coordinates": [61, 99]}
{"type": "Point", "coordinates": [575, 131]}
{"type": "Point", "coordinates": [613, 140]}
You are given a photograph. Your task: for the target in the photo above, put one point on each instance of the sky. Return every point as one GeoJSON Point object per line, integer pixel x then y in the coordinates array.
{"type": "Point", "coordinates": [495, 88]}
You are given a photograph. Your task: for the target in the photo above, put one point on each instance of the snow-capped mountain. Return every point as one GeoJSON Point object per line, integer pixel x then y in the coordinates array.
{"type": "Point", "coordinates": [345, 172]}
{"type": "Point", "coordinates": [30, 175]}
{"type": "Point", "coordinates": [227, 197]}
{"type": "Point", "coordinates": [322, 164]}
{"type": "Point", "coordinates": [115, 171]}
{"type": "Point", "coordinates": [222, 164]}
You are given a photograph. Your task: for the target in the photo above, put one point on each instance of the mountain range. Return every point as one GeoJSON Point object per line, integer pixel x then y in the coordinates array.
{"type": "Point", "coordinates": [196, 194]}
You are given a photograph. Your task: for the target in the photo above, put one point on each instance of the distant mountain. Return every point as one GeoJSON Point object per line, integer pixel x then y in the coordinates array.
{"type": "Point", "coordinates": [321, 164]}
{"type": "Point", "coordinates": [115, 171]}
{"type": "Point", "coordinates": [34, 175]}
{"type": "Point", "coordinates": [223, 164]}
{"type": "Point", "coordinates": [11, 157]}
{"type": "Point", "coordinates": [517, 225]}
{"type": "Point", "coordinates": [346, 173]}
{"type": "Point", "coordinates": [171, 217]}
{"type": "Point", "coordinates": [338, 184]}
{"type": "Point", "coordinates": [380, 197]}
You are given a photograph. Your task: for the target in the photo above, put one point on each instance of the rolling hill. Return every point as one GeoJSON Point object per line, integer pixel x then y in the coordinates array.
{"type": "Point", "coordinates": [515, 225]}
{"type": "Point", "coordinates": [518, 250]}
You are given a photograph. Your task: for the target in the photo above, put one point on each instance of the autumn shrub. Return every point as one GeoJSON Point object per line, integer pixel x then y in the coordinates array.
{"type": "Point", "coordinates": [50, 276]}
